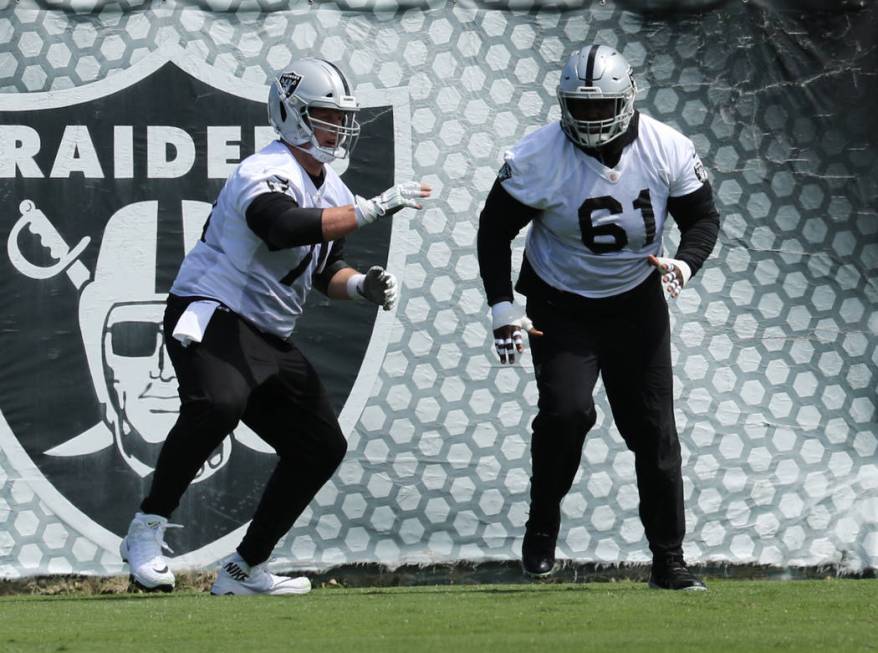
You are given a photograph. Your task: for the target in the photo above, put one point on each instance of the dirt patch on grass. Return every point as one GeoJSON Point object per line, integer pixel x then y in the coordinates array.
{"type": "Point", "coordinates": [94, 585]}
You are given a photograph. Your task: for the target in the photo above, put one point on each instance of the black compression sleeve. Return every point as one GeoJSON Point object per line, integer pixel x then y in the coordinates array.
{"type": "Point", "coordinates": [698, 219]}
{"type": "Point", "coordinates": [334, 263]}
{"type": "Point", "coordinates": [501, 220]}
{"type": "Point", "coordinates": [281, 223]}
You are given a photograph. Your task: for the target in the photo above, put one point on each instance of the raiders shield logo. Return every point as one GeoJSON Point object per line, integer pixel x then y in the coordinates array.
{"type": "Point", "coordinates": [278, 184]}
{"type": "Point", "coordinates": [105, 188]}
{"type": "Point", "coordinates": [289, 82]}
{"type": "Point", "coordinates": [700, 172]}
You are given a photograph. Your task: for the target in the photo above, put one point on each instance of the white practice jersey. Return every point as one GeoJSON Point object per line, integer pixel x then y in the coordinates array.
{"type": "Point", "coordinates": [597, 224]}
{"type": "Point", "coordinates": [234, 266]}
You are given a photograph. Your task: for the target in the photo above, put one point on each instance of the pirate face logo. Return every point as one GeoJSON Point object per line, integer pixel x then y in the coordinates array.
{"type": "Point", "coordinates": [135, 359]}
{"type": "Point", "coordinates": [142, 379]}
{"type": "Point", "coordinates": [142, 387]}
{"type": "Point", "coordinates": [100, 214]}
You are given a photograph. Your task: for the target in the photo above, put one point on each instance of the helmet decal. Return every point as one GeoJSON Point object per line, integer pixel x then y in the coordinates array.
{"type": "Point", "coordinates": [289, 82]}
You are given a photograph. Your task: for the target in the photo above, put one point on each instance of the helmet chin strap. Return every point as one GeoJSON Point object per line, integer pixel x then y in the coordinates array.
{"type": "Point", "coordinates": [323, 157]}
{"type": "Point", "coordinates": [312, 148]}
{"type": "Point", "coordinates": [316, 152]}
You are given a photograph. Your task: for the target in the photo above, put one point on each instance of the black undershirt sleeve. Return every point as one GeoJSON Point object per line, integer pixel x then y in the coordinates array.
{"type": "Point", "coordinates": [334, 263]}
{"type": "Point", "coordinates": [501, 220]}
{"type": "Point", "coordinates": [698, 219]}
{"type": "Point", "coordinates": [281, 223]}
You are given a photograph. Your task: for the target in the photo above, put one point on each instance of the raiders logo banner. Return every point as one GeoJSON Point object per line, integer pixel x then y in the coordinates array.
{"type": "Point", "coordinates": [105, 188]}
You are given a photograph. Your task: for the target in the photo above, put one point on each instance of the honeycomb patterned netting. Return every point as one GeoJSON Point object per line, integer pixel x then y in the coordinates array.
{"type": "Point", "coordinates": [775, 343]}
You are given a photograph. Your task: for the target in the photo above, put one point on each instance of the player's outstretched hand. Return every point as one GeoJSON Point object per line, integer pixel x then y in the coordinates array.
{"type": "Point", "coordinates": [390, 201]}
{"type": "Point", "coordinates": [675, 273]}
{"type": "Point", "coordinates": [379, 287]}
{"type": "Point", "coordinates": [508, 321]}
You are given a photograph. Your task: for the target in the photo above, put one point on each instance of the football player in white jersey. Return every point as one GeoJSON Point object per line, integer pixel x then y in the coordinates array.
{"type": "Point", "coordinates": [277, 230]}
{"type": "Point", "coordinates": [596, 188]}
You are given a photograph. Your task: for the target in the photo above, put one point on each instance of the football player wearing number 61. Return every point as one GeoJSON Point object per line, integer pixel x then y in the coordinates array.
{"type": "Point", "coordinates": [276, 230]}
{"type": "Point", "coordinates": [597, 188]}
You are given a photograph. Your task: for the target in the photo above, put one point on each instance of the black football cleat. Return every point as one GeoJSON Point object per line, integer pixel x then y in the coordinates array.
{"type": "Point", "coordinates": [671, 573]}
{"type": "Point", "coordinates": [538, 553]}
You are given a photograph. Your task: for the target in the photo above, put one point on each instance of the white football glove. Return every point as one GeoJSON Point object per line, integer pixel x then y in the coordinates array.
{"type": "Point", "coordinates": [507, 341]}
{"type": "Point", "coordinates": [675, 274]}
{"type": "Point", "coordinates": [377, 286]}
{"type": "Point", "coordinates": [387, 203]}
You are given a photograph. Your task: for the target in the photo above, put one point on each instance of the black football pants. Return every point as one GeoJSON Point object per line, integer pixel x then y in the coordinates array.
{"type": "Point", "coordinates": [238, 373]}
{"type": "Point", "coordinates": [626, 339]}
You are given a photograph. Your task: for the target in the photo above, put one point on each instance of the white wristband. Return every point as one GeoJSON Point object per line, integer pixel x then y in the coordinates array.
{"type": "Point", "coordinates": [509, 314]}
{"type": "Point", "coordinates": [354, 286]}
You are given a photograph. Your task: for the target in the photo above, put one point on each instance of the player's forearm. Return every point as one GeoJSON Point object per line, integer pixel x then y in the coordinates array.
{"type": "Point", "coordinates": [281, 223]}
{"type": "Point", "coordinates": [698, 242]}
{"type": "Point", "coordinates": [337, 288]}
{"type": "Point", "coordinates": [338, 221]}
{"type": "Point", "coordinates": [698, 219]}
{"type": "Point", "coordinates": [495, 264]}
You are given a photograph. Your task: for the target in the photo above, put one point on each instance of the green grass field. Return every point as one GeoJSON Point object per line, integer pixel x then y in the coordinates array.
{"type": "Point", "coordinates": [833, 615]}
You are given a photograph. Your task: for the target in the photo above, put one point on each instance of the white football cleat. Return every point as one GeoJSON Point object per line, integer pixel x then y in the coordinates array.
{"type": "Point", "coordinates": [142, 550]}
{"type": "Point", "coordinates": [237, 577]}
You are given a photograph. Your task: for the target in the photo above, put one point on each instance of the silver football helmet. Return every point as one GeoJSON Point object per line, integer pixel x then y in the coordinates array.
{"type": "Point", "coordinates": [302, 86]}
{"type": "Point", "coordinates": [596, 77]}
